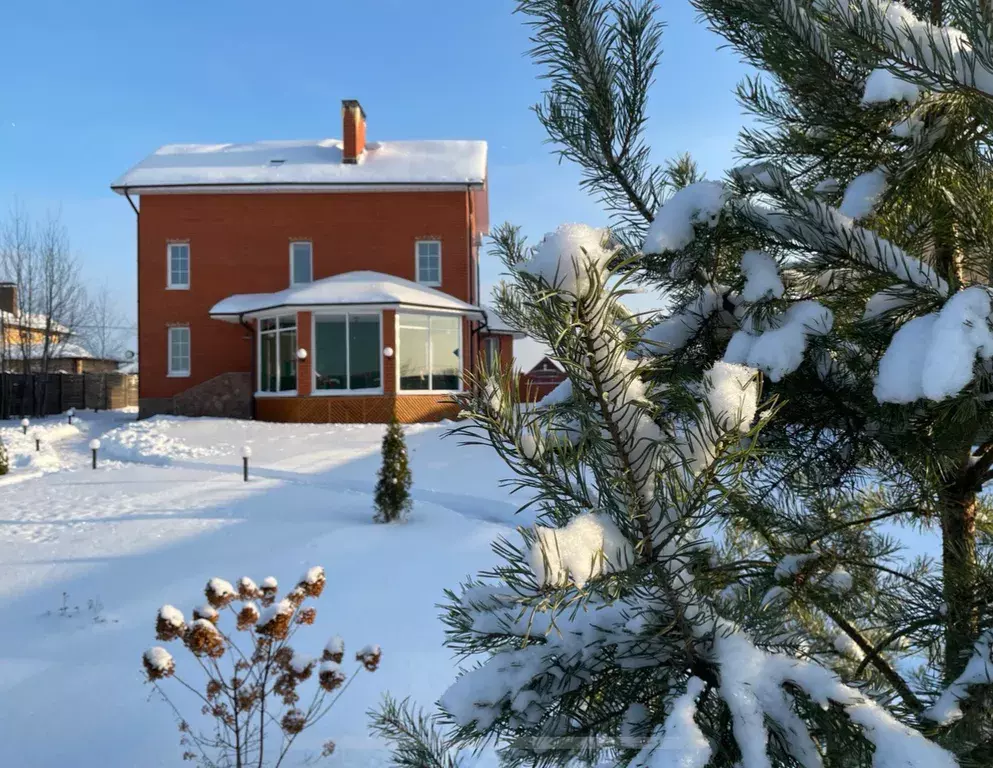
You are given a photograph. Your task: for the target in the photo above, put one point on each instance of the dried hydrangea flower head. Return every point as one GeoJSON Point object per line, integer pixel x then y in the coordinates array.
{"type": "Point", "coordinates": [330, 675]}
{"type": "Point", "coordinates": [169, 623]}
{"type": "Point", "coordinates": [370, 657]}
{"type": "Point", "coordinates": [334, 650]}
{"type": "Point", "coordinates": [306, 615]}
{"type": "Point", "coordinates": [247, 616]}
{"type": "Point", "coordinates": [301, 665]}
{"type": "Point", "coordinates": [269, 588]}
{"type": "Point", "coordinates": [275, 620]}
{"type": "Point", "coordinates": [219, 592]}
{"type": "Point", "coordinates": [206, 611]}
{"type": "Point", "coordinates": [203, 639]}
{"type": "Point", "coordinates": [313, 581]}
{"type": "Point", "coordinates": [158, 663]}
{"type": "Point", "coordinates": [248, 589]}
{"type": "Point", "coordinates": [296, 595]}
{"type": "Point", "coordinates": [294, 721]}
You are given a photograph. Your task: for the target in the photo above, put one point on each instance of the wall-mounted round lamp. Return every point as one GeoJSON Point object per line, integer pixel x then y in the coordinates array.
{"type": "Point", "coordinates": [387, 351]}
{"type": "Point", "coordinates": [301, 354]}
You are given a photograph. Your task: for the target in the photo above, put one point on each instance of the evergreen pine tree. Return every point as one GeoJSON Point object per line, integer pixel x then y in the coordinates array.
{"type": "Point", "coordinates": [392, 497]}
{"type": "Point", "coordinates": [715, 579]}
{"type": "Point", "coordinates": [4, 461]}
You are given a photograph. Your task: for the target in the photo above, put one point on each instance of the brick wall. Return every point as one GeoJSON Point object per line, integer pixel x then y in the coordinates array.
{"type": "Point", "coordinates": [240, 244]}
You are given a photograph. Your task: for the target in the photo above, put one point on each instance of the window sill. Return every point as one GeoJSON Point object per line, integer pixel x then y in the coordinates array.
{"type": "Point", "coordinates": [402, 392]}
{"type": "Point", "coordinates": [178, 287]}
{"type": "Point", "coordinates": [429, 284]}
{"type": "Point", "coordinates": [287, 393]}
{"type": "Point", "coordinates": [344, 392]}
{"type": "Point", "coordinates": [178, 375]}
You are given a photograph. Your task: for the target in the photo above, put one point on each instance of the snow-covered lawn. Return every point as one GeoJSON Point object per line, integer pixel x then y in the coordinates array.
{"type": "Point", "coordinates": [87, 557]}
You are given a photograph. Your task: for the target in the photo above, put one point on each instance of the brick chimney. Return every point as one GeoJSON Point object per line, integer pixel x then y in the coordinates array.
{"type": "Point", "coordinates": [352, 130]}
{"type": "Point", "coordinates": [8, 298]}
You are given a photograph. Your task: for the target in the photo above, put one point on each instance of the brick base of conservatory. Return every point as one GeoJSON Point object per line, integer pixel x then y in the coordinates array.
{"type": "Point", "coordinates": [357, 409]}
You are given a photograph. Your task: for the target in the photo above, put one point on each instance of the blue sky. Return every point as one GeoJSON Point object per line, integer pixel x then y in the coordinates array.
{"type": "Point", "coordinates": [89, 88]}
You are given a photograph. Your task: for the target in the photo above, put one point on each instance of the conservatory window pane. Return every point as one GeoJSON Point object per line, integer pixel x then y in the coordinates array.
{"type": "Point", "coordinates": [412, 352]}
{"type": "Point", "coordinates": [363, 352]}
{"type": "Point", "coordinates": [268, 367]}
{"type": "Point", "coordinates": [329, 348]}
{"type": "Point", "coordinates": [445, 353]}
{"type": "Point", "coordinates": [287, 360]}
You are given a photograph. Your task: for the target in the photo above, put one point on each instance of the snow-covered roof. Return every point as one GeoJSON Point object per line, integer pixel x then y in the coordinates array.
{"type": "Point", "coordinates": [309, 163]}
{"type": "Point", "coordinates": [363, 288]}
{"type": "Point", "coordinates": [33, 321]}
{"type": "Point", "coordinates": [496, 324]}
{"type": "Point", "coordinates": [58, 351]}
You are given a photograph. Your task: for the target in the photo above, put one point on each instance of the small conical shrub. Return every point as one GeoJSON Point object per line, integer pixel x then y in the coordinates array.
{"type": "Point", "coordinates": [3, 458]}
{"type": "Point", "coordinates": [393, 500]}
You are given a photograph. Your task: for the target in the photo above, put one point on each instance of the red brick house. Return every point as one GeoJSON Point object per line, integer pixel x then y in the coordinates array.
{"type": "Point", "coordinates": [324, 281]}
{"type": "Point", "coordinates": [545, 376]}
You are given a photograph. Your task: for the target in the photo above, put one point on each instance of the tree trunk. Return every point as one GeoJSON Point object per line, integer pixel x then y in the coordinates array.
{"type": "Point", "coordinates": [958, 561]}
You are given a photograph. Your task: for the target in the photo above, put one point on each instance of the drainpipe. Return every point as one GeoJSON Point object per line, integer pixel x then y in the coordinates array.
{"type": "Point", "coordinates": [137, 251]}
{"type": "Point", "coordinates": [254, 379]}
{"type": "Point", "coordinates": [473, 295]}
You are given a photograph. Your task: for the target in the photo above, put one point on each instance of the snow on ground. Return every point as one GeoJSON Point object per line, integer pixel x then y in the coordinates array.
{"type": "Point", "coordinates": [87, 558]}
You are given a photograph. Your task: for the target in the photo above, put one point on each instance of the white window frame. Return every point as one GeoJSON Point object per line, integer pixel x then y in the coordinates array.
{"type": "Point", "coordinates": [487, 341]}
{"type": "Point", "coordinates": [309, 243]}
{"type": "Point", "coordinates": [348, 362]}
{"type": "Point", "coordinates": [396, 336]}
{"type": "Point", "coordinates": [417, 262]}
{"type": "Point", "coordinates": [173, 372]}
{"type": "Point", "coordinates": [259, 333]}
{"type": "Point", "coordinates": [170, 285]}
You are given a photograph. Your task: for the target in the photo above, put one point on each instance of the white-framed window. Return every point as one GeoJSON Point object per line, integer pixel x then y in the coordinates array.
{"type": "Point", "coordinates": [178, 266]}
{"type": "Point", "coordinates": [179, 350]}
{"type": "Point", "coordinates": [428, 352]}
{"type": "Point", "coordinates": [278, 354]}
{"type": "Point", "coordinates": [491, 354]}
{"type": "Point", "coordinates": [429, 262]}
{"type": "Point", "coordinates": [301, 262]}
{"type": "Point", "coordinates": [348, 353]}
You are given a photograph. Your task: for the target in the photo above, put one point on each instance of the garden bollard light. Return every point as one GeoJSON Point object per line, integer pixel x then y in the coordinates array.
{"type": "Point", "coordinates": [94, 447]}
{"type": "Point", "coordinates": [25, 423]}
{"type": "Point", "coordinates": [246, 453]}
{"type": "Point", "coordinates": [72, 412]}
{"type": "Point", "coordinates": [37, 441]}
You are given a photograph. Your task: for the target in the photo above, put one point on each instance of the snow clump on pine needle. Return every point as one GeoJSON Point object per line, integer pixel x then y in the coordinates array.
{"type": "Point", "coordinates": [566, 257]}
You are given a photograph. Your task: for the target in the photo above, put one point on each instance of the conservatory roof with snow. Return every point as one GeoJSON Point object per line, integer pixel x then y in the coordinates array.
{"type": "Point", "coordinates": [361, 289]}
{"type": "Point", "coordinates": [309, 164]}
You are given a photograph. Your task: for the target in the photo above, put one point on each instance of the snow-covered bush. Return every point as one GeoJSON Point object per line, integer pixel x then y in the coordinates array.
{"type": "Point", "coordinates": [392, 496]}
{"type": "Point", "coordinates": [4, 461]}
{"type": "Point", "coordinates": [249, 687]}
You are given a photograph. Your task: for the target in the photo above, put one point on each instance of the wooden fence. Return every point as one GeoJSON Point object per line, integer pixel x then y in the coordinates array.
{"type": "Point", "coordinates": [38, 394]}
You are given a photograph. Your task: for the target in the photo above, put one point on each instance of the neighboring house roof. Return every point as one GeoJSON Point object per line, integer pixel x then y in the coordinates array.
{"type": "Point", "coordinates": [60, 351]}
{"type": "Point", "coordinates": [35, 322]}
{"type": "Point", "coordinates": [314, 163]}
{"type": "Point", "coordinates": [546, 362]}
{"type": "Point", "coordinates": [363, 288]}
{"type": "Point", "coordinates": [496, 324]}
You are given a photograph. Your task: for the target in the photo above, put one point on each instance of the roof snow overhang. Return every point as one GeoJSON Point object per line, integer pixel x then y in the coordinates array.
{"type": "Point", "coordinates": [355, 291]}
